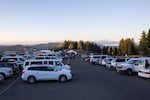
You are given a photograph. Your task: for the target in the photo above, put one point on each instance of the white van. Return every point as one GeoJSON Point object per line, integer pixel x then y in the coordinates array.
{"type": "Point", "coordinates": [53, 62]}
{"type": "Point", "coordinates": [94, 59]}
{"type": "Point", "coordinates": [97, 59]}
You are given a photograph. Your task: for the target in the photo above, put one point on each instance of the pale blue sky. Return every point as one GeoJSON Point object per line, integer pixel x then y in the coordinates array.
{"type": "Point", "coordinates": [40, 21]}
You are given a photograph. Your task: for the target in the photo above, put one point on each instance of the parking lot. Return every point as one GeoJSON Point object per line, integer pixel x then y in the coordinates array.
{"type": "Point", "coordinates": [90, 82]}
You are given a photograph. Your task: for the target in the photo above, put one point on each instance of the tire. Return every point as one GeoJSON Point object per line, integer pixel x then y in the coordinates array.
{"type": "Point", "coordinates": [1, 78]}
{"type": "Point", "coordinates": [62, 78]}
{"type": "Point", "coordinates": [3, 75]}
{"type": "Point", "coordinates": [31, 79]}
{"type": "Point", "coordinates": [129, 72]}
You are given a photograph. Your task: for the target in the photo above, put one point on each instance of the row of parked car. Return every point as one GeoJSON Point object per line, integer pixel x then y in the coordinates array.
{"type": "Point", "coordinates": [38, 68]}
{"type": "Point", "coordinates": [10, 65]}
{"type": "Point", "coordinates": [140, 65]}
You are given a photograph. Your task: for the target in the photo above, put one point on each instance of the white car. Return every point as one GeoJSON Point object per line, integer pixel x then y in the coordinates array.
{"type": "Point", "coordinates": [6, 71]}
{"type": "Point", "coordinates": [106, 61]}
{"type": "Point", "coordinates": [134, 65]}
{"type": "Point", "coordinates": [35, 73]}
{"type": "Point", "coordinates": [117, 61]}
{"type": "Point", "coordinates": [94, 59]}
{"type": "Point", "coordinates": [145, 72]}
{"type": "Point", "coordinates": [18, 60]}
{"type": "Point", "coordinates": [97, 59]}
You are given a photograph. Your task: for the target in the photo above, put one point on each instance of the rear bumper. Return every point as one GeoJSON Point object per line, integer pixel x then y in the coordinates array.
{"type": "Point", "coordinates": [143, 75]}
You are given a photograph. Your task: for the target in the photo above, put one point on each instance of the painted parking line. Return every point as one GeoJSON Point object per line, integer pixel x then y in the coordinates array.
{"type": "Point", "coordinates": [9, 86]}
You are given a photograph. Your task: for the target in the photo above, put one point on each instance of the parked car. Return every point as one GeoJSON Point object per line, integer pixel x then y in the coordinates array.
{"type": "Point", "coordinates": [53, 62]}
{"type": "Point", "coordinates": [103, 57]}
{"type": "Point", "coordinates": [117, 61]}
{"type": "Point", "coordinates": [133, 65]}
{"type": "Point", "coordinates": [18, 60]}
{"type": "Point", "coordinates": [97, 59]}
{"type": "Point", "coordinates": [87, 59]}
{"type": "Point", "coordinates": [106, 61]}
{"type": "Point", "coordinates": [94, 59]}
{"type": "Point", "coordinates": [10, 65]}
{"type": "Point", "coordinates": [6, 71]}
{"type": "Point", "coordinates": [145, 72]}
{"type": "Point", "coordinates": [35, 73]}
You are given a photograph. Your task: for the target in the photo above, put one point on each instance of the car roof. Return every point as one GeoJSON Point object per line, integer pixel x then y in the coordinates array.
{"type": "Point", "coordinates": [39, 65]}
{"type": "Point", "coordinates": [43, 60]}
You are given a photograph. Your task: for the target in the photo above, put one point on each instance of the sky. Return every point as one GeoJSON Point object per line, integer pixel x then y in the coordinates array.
{"type": "Point", "coordinates": [41, 21]}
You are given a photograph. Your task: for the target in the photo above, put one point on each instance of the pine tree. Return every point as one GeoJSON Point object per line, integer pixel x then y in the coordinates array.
{"type": "Point", "coordinates": [143, 44]}
{"type": "Point", "coordinates": [148, 43]}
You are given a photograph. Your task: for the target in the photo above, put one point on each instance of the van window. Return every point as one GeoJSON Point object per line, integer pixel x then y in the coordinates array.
{"type": "Point", "coordinates": [45, 62]}
{"type": "Point", "coordinates": [50, 63]}
{"type": "Point", "coordinates": [38, 68]}
{"type": "Point", "coordinates": [36, 62]}
{"type": "Point", "coordinates": [39, 57]}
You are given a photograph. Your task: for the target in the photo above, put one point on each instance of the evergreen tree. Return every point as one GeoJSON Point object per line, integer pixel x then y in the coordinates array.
{"type": "Point", "coordinates": [148, 43]}
{"type": "Point", "coordinates": [143, 44]}
{"type": "Point", "coordinates": [80, 45]}
{"type": "Point", "coordinates": [127, 46]}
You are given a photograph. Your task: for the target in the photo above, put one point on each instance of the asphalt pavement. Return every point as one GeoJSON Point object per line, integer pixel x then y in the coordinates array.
{"type": "Point", "coordinates": [90, 82]}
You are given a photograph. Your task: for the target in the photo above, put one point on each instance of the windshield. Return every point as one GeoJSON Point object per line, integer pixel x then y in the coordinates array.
{"type": "Point", "coordinates": [132, 61]}
{"type": "Point", "coordinates": [22, 59]}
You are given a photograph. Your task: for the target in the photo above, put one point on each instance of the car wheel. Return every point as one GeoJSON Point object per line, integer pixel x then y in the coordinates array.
{"type": "Point", "coordinates": [129, 72]}
{"type": "Point", "coordinates": [118, 70]}
{"type": "Point", "coordinates": [62, 78]}
{"type": "Point", "coordinates": [1, 78]}
{"type": "Point", "coordinates": [31, 79]}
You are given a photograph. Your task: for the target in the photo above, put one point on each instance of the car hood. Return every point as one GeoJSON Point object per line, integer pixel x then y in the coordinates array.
{"type": "Point", "coordinates": [67, 66]}
{"type": "Point", "coordinates": [126, 65]}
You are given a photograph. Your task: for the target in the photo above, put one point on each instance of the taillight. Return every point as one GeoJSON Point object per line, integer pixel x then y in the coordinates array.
{"type": "Point", "coordinates": [147, 72]}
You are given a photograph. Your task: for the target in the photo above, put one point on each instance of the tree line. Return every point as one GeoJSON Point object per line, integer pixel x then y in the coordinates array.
{"type": "Point", "coordinates": [80, 45]}
{"type": "Point", "coordinates": [126, 46]}
{"type": "Point", "coordinates": [144, 44]}
{"type": "Point", "coordinates": [88, 46]}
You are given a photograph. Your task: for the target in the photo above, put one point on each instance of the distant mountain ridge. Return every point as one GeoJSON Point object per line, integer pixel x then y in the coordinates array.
{"type": "Point", "coordinates": [21, 48]}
